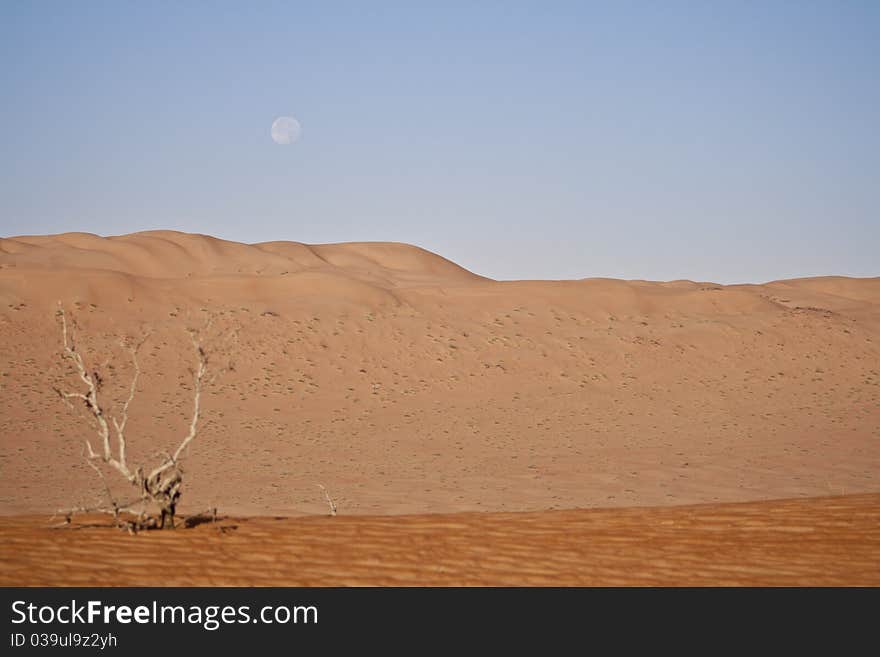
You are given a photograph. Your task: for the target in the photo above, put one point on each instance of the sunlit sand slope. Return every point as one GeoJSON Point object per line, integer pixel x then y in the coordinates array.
{"type": "Point", "coordinates": [405, 384]}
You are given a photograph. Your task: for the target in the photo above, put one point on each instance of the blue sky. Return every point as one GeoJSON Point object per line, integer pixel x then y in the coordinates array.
{"type": "Point", "coordinates": [725, 141]}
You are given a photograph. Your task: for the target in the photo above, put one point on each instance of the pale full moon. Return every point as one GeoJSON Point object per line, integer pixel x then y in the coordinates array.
{"type": "Point", "coordinates": [285, 130]}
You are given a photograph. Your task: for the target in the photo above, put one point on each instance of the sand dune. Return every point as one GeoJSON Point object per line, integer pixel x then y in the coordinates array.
{"type": "Point", "coordinates": [406, 384]}
{"type": "Point", "coordinates": [174, 255]}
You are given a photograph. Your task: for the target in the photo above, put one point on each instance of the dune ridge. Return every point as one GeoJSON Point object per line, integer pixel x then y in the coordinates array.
{"type": "Point", "coordinates": [168, 264]}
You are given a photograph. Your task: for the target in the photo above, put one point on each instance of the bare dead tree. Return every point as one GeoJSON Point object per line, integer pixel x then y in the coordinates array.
{"type": "Point", "coordinates": [158, 489]}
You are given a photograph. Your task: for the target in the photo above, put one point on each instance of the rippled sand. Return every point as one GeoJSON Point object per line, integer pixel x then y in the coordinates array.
{"type": "Point", "coordinates": [819, 541]}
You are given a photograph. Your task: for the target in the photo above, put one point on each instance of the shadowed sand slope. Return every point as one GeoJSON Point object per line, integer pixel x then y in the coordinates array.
{"type": "Point", "coordinates": [405, 384]}
{"type": "Point", "coordinates": [809, 542]}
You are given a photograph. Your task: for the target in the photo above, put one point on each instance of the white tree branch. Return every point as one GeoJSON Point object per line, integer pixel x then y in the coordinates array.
{"type": "Point", "coordinates": [91, 401]}
{"type": "Point", "coordinates": [120, 426]}
{"type": "Point", "coordinates": [330, 502]}
{"type": "Point", "coordinates": [198, 378]}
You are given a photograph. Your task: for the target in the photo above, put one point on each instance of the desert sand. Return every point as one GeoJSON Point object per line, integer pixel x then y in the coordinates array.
{"type": "Point", "coordinates": [831, 541]}
{"type": "Point", "coordinates": [405, 384]}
